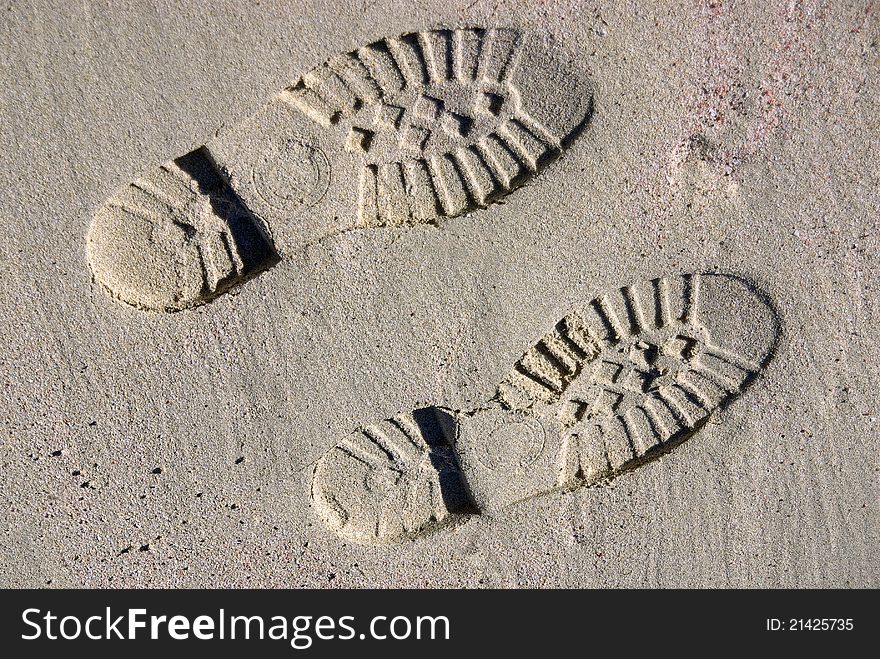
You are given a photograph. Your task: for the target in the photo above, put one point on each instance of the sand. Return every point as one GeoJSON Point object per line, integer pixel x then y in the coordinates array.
{"type": "Point", "coordinates": [175, 442]}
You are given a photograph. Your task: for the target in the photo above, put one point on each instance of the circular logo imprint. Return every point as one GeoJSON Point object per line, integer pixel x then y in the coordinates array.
{"type": "Point", "coordinates": [514, 445]}
{"type": "Point", "coordinates": [295, 175]}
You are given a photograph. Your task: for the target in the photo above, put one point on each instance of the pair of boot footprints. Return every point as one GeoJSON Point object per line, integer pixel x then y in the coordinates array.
{"type": "Point", "coordinates": [409, 130]}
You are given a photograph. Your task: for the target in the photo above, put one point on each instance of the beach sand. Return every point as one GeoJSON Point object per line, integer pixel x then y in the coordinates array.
{"type": "Point", "coordinates": [145, 448]}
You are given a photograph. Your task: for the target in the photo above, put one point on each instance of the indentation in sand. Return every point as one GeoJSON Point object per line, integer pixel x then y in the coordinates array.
{"type": "Point", "coordinates": [631, 375]}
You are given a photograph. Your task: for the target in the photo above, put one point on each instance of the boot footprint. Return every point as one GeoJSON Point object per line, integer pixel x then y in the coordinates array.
{"type": "Point", "coordinates": [630, 376]}
{"type": "Point", "coordinates": [401, 131]}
